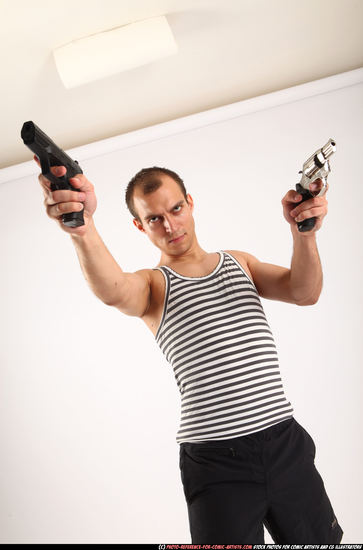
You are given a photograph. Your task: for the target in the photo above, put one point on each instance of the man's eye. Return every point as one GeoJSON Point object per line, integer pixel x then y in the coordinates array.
{"type": "Point", "coordinates": [179, 206]}
{"type": "Point", "coordinates": [151, 219]}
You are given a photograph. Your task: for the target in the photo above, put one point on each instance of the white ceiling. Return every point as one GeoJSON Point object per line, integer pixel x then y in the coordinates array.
{"type": "Point", "coordinates": [229, 50]}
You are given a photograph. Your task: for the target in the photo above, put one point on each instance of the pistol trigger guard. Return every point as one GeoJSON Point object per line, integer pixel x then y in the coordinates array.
{"type": "Point", "coordinates": [45, 165]}
{"type": "Point", "coordinates": [56, 183]}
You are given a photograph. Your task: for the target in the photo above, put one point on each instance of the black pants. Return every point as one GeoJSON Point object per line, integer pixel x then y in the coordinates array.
{"type": "Point", "coordinates": [235, 486]}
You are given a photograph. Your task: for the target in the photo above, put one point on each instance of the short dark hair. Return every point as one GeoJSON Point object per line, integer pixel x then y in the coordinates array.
{"type": "Point", "coordinates": [148, 180]}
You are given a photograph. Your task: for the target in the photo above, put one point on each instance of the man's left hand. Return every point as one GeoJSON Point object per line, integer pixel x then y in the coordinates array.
{"type": "Point", "coordinates": [315, 207]}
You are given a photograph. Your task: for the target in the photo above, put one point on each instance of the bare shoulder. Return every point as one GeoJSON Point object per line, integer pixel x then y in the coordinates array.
{"type": "Point", "coordinates": [145, 274]}
{"type": "Point", "coordinates": [153, 277]}
{"type": "Point", "coordinates": [244, 258]}
{"type": "Point", "coordinates": [149, 274]}
{"type": "Point", "coordinates": [271, 281]}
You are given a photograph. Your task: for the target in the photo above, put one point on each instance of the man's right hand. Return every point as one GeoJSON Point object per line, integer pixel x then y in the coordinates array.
{"type": "Point", "coordinates": [63, 201]}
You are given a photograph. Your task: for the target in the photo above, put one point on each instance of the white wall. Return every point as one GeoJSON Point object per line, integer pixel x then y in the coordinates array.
{"type": "Point", "coordinates": [89, 405]}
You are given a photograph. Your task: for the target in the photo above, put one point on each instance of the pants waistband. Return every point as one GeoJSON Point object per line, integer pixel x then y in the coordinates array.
{"type": "Point", "coordinates": [261, 435]}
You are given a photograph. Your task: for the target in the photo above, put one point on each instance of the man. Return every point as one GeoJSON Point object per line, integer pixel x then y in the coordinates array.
{"type": "Point", "coordinates": [245, 461]}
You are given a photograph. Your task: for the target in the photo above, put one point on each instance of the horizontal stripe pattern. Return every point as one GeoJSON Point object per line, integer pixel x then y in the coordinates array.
{"type": "Point", "coordinates": [215, 335]}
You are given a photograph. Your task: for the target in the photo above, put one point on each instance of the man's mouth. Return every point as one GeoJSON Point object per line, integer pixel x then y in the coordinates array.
{"type": "Point", "coordinates": [177, 239]}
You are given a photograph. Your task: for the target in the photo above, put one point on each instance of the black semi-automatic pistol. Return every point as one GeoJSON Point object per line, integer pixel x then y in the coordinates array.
{"type": "Point", "coordinates": [49, 154]}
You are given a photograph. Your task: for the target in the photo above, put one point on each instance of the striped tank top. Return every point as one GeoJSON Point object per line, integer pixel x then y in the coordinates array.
{"type": "Point", "coordinates": [215, 335]}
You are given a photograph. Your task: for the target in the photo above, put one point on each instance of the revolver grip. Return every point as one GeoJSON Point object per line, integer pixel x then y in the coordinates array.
{"type": "Point", "coordinates": [305, 225]}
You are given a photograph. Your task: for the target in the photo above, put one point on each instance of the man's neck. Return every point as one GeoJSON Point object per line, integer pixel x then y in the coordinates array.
{"type": "Point", "coordinates": [194, 255]}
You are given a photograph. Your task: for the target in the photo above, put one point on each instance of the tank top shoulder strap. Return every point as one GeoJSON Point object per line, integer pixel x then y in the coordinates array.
{"type": "Point", "coordinates": [165, 272]}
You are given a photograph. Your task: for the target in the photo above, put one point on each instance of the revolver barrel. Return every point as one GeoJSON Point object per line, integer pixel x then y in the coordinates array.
{"type": "Point", "coordinates": [328, 149]}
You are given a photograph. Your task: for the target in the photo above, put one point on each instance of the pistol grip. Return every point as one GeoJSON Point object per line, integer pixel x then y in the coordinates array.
{"type": "Point", "coordinates": [71, 219]}
{"type": "Point", "coordinates": [305, 225]}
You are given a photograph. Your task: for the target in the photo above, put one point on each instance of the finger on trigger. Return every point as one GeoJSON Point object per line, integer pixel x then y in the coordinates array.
{"type": "Point", "coordinates": [58, 171]}
{"type": "Point", "coordinates": [76, 182]}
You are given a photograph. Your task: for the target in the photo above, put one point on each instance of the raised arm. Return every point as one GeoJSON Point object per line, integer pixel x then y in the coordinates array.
{"type": "Point", "coordinates": [302, 283]}
{"type": "Point", "coordinates": [129, 292]}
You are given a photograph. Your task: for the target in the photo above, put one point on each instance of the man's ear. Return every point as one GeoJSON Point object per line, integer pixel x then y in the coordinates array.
{"type": "Point", "coordinates": [190, 201]}
{"type": "Point", "coordinates": [138, 225]}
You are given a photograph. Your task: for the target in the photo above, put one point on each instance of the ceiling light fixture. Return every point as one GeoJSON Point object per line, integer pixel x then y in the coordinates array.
{"type": "Point", "coordinates": [107, 53]}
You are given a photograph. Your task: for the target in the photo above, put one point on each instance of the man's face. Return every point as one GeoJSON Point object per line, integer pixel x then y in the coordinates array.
{"type": "Point", "coordinates": [165, 216]}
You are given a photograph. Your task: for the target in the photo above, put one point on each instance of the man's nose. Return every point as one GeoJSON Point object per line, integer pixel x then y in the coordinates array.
{"type": "Point", "coordinates": [169, 225]}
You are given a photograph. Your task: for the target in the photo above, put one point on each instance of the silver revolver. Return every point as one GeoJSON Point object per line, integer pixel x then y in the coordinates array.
{"type": "Point", "coordinates": [317, 166]}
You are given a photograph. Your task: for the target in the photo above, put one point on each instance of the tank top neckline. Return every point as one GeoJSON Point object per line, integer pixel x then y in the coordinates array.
{"type": "Point", "coordinates": [215, 270]}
